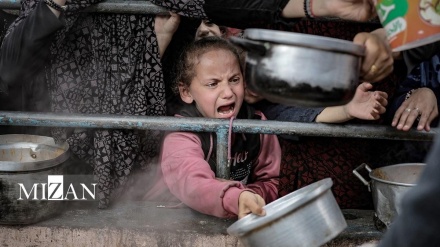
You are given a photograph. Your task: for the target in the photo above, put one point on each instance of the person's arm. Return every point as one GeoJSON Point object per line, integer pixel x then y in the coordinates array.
{"type": "Point", "coordinates": [356, 10]}
{"type": "Point", "coordinates": [27, 45]}
{"type": "Point", "coordinates": [165, 26]}
{"type": "Point", "coordinates": [258, 13]}
{"type": "Point", "coordinates": [365, 105]}
{"type": "Point", "coordinates": [190, 178]}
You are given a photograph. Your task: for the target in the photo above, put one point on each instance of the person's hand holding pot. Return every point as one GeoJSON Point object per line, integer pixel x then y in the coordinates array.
{"type": "Point", "coordinates": [378, 60]}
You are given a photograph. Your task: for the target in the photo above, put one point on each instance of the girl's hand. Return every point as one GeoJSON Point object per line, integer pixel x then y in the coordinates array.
{"type": "Point", "coordinates": [249, 202]}
{"type": "Point", "coordinates": [378, 61]}
{"type": "Point", "coordinates": [365, 104]}
{"type": "Point", "coordinates": [422, 103]}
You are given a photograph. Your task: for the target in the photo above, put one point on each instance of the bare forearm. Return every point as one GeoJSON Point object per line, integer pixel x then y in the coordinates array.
{"type": "Point", "coordinates": [295, 9]}
{"type": "Point", "coordinates": [356, 10]}
{"type": "Point", "coordinates": [333, 114]}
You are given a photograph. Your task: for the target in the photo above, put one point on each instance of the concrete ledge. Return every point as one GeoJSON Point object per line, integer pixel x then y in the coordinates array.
{"type": "Point", "coordinates": [145, 224]}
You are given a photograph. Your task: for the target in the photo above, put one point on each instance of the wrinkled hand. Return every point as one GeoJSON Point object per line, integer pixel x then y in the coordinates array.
{"type": "Point", "coordinates": [378, 61]}
{"type": "Point", "coordinates": [423, 103]}
{"type": "Point", "coordinates": [365, 104]}
{"type": "Point", "coordinates": [249, 202]}
{"type": "Point", "coordinates": [250, 97]}
{"type": "Point", "coordinates": [356, 10]}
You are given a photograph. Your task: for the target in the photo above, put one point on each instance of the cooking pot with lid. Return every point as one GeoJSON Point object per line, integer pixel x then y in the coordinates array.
{"type": "Point", "coordinates": [388, 185]}
{"type": "Point", "coordinates": [300, 69]}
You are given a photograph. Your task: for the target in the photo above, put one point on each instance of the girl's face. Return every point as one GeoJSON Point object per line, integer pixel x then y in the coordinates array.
{"type": "Point", "coordinates": [217, 87]}
{"type": "Point", "coordinates": [207, 29]}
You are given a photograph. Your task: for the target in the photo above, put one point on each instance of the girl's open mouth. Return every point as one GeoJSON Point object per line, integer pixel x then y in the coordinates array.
{"type": "Point", "coordinates": [227, 109]}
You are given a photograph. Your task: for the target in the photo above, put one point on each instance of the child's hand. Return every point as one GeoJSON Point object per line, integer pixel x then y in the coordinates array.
{"type": "Point", "coordinates": [365, 104]}
{"type": "Point", "coordinates": [249, 202]}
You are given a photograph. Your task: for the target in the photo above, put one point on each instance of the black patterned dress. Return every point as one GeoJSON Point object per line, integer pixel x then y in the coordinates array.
{"type": "Point", "coordinates": [107, 64]}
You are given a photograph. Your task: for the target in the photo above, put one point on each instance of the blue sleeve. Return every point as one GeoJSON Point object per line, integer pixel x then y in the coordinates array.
{"type": "Point", "coordinates": [290, 113]}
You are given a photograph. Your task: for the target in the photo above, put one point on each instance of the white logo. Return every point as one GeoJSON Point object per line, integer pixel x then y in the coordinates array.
{"type": "Point", "coordinates": [54, 190]}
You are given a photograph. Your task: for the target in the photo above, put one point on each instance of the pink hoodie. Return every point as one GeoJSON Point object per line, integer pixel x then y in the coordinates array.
{"type": "Point", "coordinates": [187, 175]}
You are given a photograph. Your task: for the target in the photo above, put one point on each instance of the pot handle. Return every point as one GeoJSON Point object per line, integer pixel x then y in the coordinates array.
{"type": "Point", "coordinates": [250, 45]}
{"type": "Point", "coordinates": [358, 175]}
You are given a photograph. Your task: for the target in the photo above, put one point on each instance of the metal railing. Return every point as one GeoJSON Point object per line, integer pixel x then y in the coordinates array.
{"type": "Point", "coordinates": [109, 6]}
{"type": "Point", "coordinates": [219, 126]}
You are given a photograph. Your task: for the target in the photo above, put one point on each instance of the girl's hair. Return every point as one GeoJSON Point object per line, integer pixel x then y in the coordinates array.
{"type": "Point", "coordinates": [190, 58]}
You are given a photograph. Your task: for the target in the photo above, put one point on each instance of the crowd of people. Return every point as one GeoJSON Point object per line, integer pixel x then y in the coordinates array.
{"type": "Point", "coordinates": [71, 61]}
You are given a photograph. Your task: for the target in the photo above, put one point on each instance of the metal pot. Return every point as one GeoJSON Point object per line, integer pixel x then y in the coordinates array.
{"type": "Point", "coordinates": [300, 69]}
{"type": "Point", "coordinates": [306, 217]}
{"type": "Point", "coordinates": [28, 160]}
{"type": "Point", "coordinates": [388, 185]}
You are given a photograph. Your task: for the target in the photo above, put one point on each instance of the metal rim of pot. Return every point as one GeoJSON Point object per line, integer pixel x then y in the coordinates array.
{"type": "Point", "coordinates": [287, 204]}
{"type": "Point", "coordinates": [31, 141]}
{"type": "Point", "coordinates": [370, 171]}
{"type": "Point", "coordinates": [304, 40]}
{"type": "Point", "coordinates": [282, 67]}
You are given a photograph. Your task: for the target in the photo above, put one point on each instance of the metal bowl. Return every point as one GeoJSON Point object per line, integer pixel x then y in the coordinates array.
{"type": "Point", "coordinates": [300, 69]}
{"type": "Point", "coordinates": [28, 160]}
{"type": "Point", "coordinates": [306, 217]}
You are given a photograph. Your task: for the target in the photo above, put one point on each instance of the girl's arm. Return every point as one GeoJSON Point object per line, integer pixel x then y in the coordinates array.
{"type": "Point", "coordinates": [190, 178]}
{"type": "Point", "coordinates": [366, 105]}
